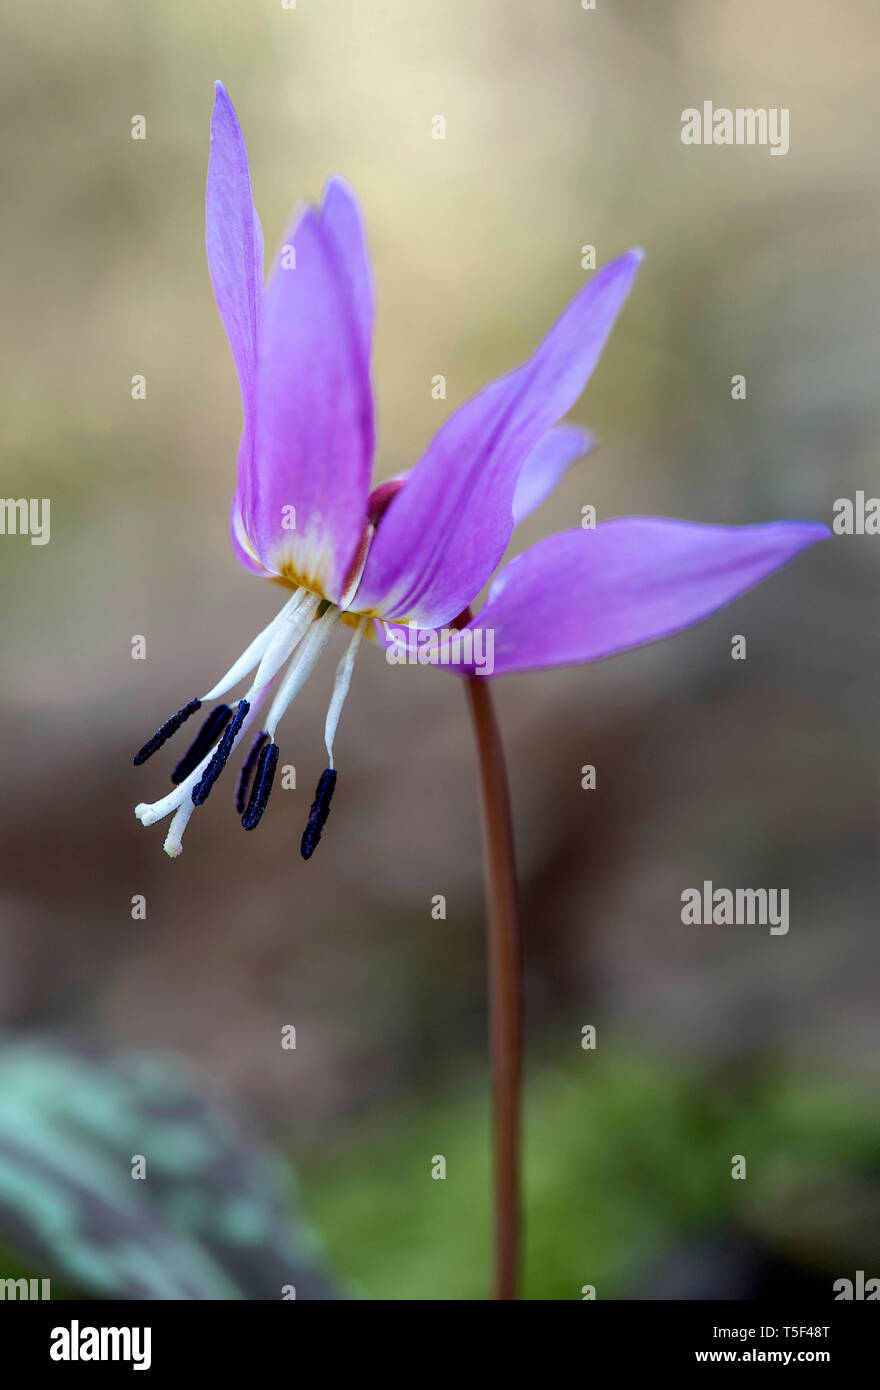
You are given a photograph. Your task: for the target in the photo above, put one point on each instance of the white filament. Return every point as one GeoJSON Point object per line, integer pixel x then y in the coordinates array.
{"type": "Point", "coordinates": [249, 658]}
{"type": "Point", "coordinates": [341, 687]}
{"type": "Point", "coordinates": [301, 668]}
{"type": "Point", "coordinates": [282, 644]}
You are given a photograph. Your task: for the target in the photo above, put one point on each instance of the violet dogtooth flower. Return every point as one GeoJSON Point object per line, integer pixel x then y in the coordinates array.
{"type": "Point", "coordinates": [412, 553]}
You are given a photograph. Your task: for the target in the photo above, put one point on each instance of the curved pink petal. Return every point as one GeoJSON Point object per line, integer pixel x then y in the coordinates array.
{"type": "Point", "coordinates": [446, 530]}
{"type": "Point", "coordinates": [314, 415]}
{"type": "Point", "coordinates": [546, 466]}
{"type": "Point", "coordinates": [234, 244]}
{"type": "Point", "coordinates": [583, 595]}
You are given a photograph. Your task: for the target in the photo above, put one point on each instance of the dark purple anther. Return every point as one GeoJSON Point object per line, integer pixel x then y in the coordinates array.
{"type": "Point", "coordinates": [247, 772]}
{"type": "Point", "coordinates": [168, 728]}
{"type": "Point", "coordinates": [319, 813]}
{"type": "Point", "coordinates": [265, 775]}
{"type": "Point", "coordinates": [202, 788]}
{"type": "Point", "coordinates": [204, 740]}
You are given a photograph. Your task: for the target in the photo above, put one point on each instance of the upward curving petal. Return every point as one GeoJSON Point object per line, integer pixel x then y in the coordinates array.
{"type": "Point", "coordinates": [446, 530]}
{"type": "Point", "coordinates": [343, 220]}
{"type": "Point", "coordinates": [314, 411]}
{"type": "Point", "coordinates": [583, 595]}
{"type": "Point", "coordinates": [234, 242]}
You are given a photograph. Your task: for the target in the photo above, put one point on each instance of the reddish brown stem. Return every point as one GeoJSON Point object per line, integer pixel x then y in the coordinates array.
{"type": "Point", "coordinates": [504, 968]}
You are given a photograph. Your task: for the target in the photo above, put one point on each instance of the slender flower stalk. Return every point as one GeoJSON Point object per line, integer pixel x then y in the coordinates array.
{"type": "Point", "coordinates": [395, 562]}
{"type": "Point", "coordinates": [505, 991]}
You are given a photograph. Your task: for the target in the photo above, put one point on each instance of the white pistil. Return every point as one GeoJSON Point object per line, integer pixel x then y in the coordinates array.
{"type": "Point", "coordinates": [301, 668]}
{"type": "Point", "coordinates": [341, 686]}
{"type": "Point", "coordinates": [174, 839]}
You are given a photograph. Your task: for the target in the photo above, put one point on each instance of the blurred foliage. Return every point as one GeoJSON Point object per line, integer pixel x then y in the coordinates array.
{"type": "Point", "coordinates": [625, 1158]}
{"type": "Point", "coordinates": [125, 1177]}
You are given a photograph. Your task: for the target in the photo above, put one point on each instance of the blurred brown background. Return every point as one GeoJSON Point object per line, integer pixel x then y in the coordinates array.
{"type": "Point", "coordinates": [563, 128]}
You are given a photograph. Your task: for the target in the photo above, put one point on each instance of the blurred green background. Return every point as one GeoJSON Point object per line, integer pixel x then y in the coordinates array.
{"type": "Point", "coordinates": [563, 129]}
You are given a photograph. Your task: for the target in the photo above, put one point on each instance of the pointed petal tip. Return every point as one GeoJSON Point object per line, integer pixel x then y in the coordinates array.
{"type": "Point", "coordinates": [814, 531]}
{"type": "Point", "coordinates": [222, 113]}
{"type": "Point", "coordinates": [637, 253]}
{"type": "Point", "coordinates": [632, 580]}
{"type": "Point", "coordinates": [337, 181]}
{"type": "Point", "coordinates": [804, 533]}
{"type": "Point", "coordinates": [338, 192]}
{"type": "Point", "coordinates": [589, 441]}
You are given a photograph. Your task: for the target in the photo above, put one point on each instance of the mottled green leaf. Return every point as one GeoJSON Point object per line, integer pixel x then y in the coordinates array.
{"type": "Point", "coordinates": [213, 1217]}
